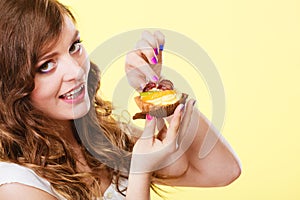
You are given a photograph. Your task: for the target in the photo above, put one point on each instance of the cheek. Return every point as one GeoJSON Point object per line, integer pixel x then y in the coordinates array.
{"type": "Point", "coordinates": [85, 62]}
{"type": "Point", "coordinates": [42, 93]}
{"type": "Point", "coordinates": [87, 67]}
{"type": "Point", "coordinates": [38, 97]}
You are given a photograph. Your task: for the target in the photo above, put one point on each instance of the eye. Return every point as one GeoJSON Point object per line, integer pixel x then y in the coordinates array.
{"type": "Point", "coordinates": [46, 67]}
{"type": "Point", "coordinates": [76, 46]}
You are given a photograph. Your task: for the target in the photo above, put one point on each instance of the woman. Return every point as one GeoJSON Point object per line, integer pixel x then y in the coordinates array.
{"type": "Point", "coordinates": [49, 108]}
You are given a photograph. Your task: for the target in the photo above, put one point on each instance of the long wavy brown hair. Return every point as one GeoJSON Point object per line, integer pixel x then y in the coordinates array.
{"type": "Point", "coordinates": [27, 136]}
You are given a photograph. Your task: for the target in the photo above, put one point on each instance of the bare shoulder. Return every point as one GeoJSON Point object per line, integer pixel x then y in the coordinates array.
{"type": "Point", "coordinates": [8, 191]}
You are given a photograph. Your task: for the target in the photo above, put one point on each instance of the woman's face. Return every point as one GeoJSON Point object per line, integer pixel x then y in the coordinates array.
{"type": "Point", "coordinates": [61, 79]}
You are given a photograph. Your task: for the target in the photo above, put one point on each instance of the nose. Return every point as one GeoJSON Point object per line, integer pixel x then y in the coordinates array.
{"type": "Point", "coordinates": [72, 69]}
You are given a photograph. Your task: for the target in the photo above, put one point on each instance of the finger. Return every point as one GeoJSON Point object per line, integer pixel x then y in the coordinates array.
{"type": "Point", "coordinates": [138, 71]}
{"type": "Point", "coordinates": [160, 123]}
{"type": "Point", "coordinates": [160, 38]}
{"type": "Point", "coordinates": [149, 129]}
{"type": "Point", "coordinates": [146, 51]}
{"type": "Point", "coordinates": [135, 78]}
{"type": "Point", "coordinates": [174, 124]}
{"type": "Point", "coordinates": [162, 133]}
{"type": "Point", "coordinates": [152, 41]}
{"type": "Point", "coordinates": [186, 119]}
{"type": "Point", "coordinates": [162, 128]}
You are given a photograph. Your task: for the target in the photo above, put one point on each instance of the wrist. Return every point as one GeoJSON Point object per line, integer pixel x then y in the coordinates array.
{"type": "Point", "coordinates": [138, 182]}
{"type": "Point", "coordinates": [144, 175]}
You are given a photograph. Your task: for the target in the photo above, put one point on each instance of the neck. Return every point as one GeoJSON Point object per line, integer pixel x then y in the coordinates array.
{"type": "Point", "coordinates": [68, 133]}
{"type": "Point", "coordinates": [69, 136]}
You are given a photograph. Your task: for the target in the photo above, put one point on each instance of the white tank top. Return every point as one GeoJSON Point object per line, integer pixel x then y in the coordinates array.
{"type": "Point", "coordinates": [13, 173]}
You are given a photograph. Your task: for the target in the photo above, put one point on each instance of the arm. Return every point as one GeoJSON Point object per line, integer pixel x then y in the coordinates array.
{"type": "Point", "coordinates": [206, 158]}
{"type": "Point", "coordinates": [138, 186]}
{"type": "Point", "coordinates": [198, 161]}
{"type": "Point", "coordinates": [148, 153]}
{"type": "Point", "coordinates": [16, 191]}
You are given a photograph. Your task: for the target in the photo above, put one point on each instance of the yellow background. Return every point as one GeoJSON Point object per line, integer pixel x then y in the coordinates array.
{"type": "Point", "coordinates": [255, 46]}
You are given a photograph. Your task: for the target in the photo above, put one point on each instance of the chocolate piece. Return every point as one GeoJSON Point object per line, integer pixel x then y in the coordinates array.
{"type": "Point", "coordinates": [165, 85]}
{"type": "Point", "coordinates": [139, 115]}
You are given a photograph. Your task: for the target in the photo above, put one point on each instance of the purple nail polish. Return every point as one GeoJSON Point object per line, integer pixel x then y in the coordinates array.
{"type": "Point", "coordinates": [149, 117]}
{"type": "Point", "coordinates": [182, 107]}
{"type": "Point", "coordinates": [154, 60]}
{"type": "Point", "coordinates": [194, 102]}
{"type": "Point", "coordinates": [155, 78]}
{"type": "Point", "coordinates": [155, 51]}
{"type": "Point", "coordinates": [161, 47]}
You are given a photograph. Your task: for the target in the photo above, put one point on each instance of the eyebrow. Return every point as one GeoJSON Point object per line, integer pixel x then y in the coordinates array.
{"type": "Point", "coordinates": [47, 56]}
{"type": "Point", "coordinates": [76, 34]}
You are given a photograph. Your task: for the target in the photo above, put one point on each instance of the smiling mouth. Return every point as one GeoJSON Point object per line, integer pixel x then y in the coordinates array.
{"type": "Point", "coordinates": [72, 94]}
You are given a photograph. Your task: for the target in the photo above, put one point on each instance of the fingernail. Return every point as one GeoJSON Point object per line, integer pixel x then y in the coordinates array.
{"type": "Point", "coordinates": [156, 51]}
{"type": "Point", "coordinates": [149, 117]}
{"type": "Point", "coordinates": [155, 78]}
{"type": "Point", "coordinates": [154, 60]}
{"type": "Point", "coordinates": [182, 107]}
{"type": "Point", "coordinates": [161, 47]}
{"type": "Point", "coordinates": [194, 102]}
{"type": "Point", "coordinates": [142, 86]}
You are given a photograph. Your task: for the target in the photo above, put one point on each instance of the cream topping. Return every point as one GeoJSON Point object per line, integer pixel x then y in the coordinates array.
{"type": "Point", "coordinates": [164, 100]}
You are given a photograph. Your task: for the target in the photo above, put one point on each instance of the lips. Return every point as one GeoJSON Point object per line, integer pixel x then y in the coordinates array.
{"type": "Point", "coordinates": [73, 94]}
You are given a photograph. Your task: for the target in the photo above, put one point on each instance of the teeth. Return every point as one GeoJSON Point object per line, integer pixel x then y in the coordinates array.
{"type": "Point", "coordinates": [73, 94]}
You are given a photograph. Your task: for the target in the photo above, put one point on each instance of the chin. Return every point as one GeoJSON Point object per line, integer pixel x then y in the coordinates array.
{"type": "Point", "coordinates": [81, 110]}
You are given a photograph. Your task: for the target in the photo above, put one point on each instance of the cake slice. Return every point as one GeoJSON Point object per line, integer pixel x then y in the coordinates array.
{"type": "Point", "coordinates": [159, 100]}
